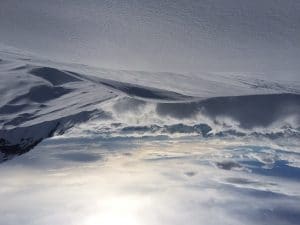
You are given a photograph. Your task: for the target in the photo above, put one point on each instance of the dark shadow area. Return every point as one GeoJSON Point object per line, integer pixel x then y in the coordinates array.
{"type": "Point", "coordinates": [202, 129]}
{"type": "Point", "coordinates": [228, 165]}
{"type": "Point", "coordinates": [12, 108]}
{"type": "Point", "coordinates": [190, 173]}
{"type": "Point", "coordinates": [238, 180]}
{"type": "Point", "coordinates": [54, 76]}
{"type": "Point", "coordinates": [20, 140]}
{"type": "Point", "coordinates": [26, 144]}
{"type": "Point", "coordinates": [21, 118]}
{"type": "Point", "coordinates": [42, 93]}
{"type": "Point", "coordinates": [249, 111]}
{"type": "Point", "coordinates": [280, 168]}
{"type": "Point", "coordinates": [134, 90]}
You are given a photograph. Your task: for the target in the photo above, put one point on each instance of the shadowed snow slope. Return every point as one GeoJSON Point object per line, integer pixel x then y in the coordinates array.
{"type": "Point", "coordinates": [39, 98]}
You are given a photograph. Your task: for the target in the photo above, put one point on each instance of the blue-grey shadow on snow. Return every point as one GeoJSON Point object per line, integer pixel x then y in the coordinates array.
{"type": "Point", "coordinates": [250, 111]}
{"type": "Point", "coordinates": [277, 167]}
{"type": "Point", "coordinates": [262, 206]}
{"type": "Point", "coordinates": [280, 168]}
{"type": "Point", "coordinates": [79, 157]}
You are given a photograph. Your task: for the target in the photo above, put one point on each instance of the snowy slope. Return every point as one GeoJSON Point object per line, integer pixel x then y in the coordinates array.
{"type": "Point", "coordinates": [169, 35]}
{"type": "Point", "coordinates": [40, 98]}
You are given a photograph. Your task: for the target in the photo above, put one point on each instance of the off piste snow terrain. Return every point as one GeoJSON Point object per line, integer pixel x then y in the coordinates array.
{"type": "Point", "coordinates": [41, 98]}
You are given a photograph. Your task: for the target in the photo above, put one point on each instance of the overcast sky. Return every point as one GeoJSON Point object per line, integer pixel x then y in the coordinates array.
{"type": "Point", "coordinates": [170, 35]}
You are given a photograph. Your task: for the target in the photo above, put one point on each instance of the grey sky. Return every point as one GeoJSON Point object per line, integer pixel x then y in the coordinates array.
{"type": "Point", "coordinates": [171, 35]}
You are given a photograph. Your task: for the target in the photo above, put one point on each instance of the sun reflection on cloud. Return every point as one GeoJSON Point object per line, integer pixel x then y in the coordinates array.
{"type": "Point", "coordinates": [118, 210]}
{"type": "Point", "coordinates": [211, 181]}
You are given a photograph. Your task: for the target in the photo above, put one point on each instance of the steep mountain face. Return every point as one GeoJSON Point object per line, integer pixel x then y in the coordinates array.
{"type": "Point", "coordinates": [40, 98]}
{"type": "Point", "coordinates": [38, 101]}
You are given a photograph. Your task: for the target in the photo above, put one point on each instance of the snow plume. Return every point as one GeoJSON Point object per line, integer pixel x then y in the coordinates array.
{"type": "Point", "coordinates": [262, 115]}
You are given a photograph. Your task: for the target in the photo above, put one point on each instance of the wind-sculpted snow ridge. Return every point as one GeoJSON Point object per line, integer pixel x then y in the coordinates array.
{"type": "Point", "coordinates": [272, 116]}
{"type": "Point", "coordinates": [40, 98]}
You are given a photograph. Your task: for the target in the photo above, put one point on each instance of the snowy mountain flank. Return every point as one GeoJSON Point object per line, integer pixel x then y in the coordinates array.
{"type": "Point", "coordinates": [41, 98]}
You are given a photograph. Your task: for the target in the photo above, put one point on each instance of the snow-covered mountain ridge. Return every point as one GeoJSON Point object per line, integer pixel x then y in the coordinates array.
{"type": "Point", "coordinates": [40, 98]}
